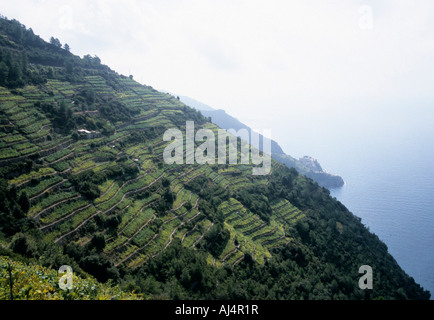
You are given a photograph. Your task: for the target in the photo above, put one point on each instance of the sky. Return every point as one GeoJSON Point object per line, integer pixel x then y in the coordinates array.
{"type": "Point", "coordinates": [279, 65]}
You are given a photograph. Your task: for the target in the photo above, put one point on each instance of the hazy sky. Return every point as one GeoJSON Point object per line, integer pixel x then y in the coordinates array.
{"type": "Point", "coordinates": [265, 62]}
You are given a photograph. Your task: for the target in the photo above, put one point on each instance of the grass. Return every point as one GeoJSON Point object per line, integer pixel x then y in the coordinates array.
{"type": "Point", "coordinates": [58, 155]}
{"type": "Point", "coordinates": [135, 208]}
{"type": "Point", "coordinates": [104, 206]}
{"type": "Point", "coordinates": [8, 153]}
{"type": "Point", "coordinates": [50, 200]}
{"type": "Point", "coordinates": [108, 190]}
{"type": "Point", "coordinates": [42, 186]}
{"type": "Point", "coordinates": [13, 138]}
{"type": "Point", "coordinates": [22, 146]}
{"type": "Point", "coordinates": [39, 134]}
{"type": "Point", "coordinates": [63, 210]}
{"type": "Point", "coordinates": [287, 213]}
{"type": "Point", "coordinates": [32, 175]}
{"type": "Point", "coordinates": [88, 164]}
{"type": "Point", "coordinates": [143, 237]}
{"type": "Point", "coordinates": [35, 126]}
{"type": "Point", "coordinates": [112, 245]}
{"type": "Point", "coordinates": [70, 224]}
{"type": "Point", "coordinates": [60, 166]}
{"type": "Point", "coordinates": [30, 150]}
{"type": "Point", "coordinates": [142, 218]}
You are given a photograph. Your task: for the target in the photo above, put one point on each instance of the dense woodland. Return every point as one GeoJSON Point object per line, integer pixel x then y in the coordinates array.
{"type": "Point", "coordinates": [113, 210]}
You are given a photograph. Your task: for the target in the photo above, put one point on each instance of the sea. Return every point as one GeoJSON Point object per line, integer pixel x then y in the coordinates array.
{"type": "Point", "coordinates": [385, 154]}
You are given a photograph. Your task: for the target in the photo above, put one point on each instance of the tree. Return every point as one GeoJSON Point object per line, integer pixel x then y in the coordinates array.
{"type": "Point", "coordinates": [97, 242]}
{"type": "Point", "coordinates": [24, 202]}
{"type": "Point", "coordinates": [98, 266]}
{"type": "Point", "coordinates": [24, 245]}
{"type": "Point", "coordinates": [4, 73]}
{"type": "Point", "coordinates": [66, 47]}
{"type": "Point", "coordinates": [69, 66]}
{"type": "Point", "coordinates": [15, 74]}
{"type": "Point", "coordinates": [113, 222]}
{"type": "Point", "coordinates": [75, 136]}
{"type": "Point", "coordinates": [55, 42]}
{"type": "Point", "coordinates": [215, 239]}
{"type": "Point", "coordinates": [92, 61]}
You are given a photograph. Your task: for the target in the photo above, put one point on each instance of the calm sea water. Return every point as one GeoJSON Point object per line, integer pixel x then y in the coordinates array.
{"type": "Point", "coordinates": [395, 199]}
{"type": "Point", "coordinates": [386, 158]}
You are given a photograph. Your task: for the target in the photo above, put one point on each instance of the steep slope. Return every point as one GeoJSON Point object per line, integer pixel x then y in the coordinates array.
{"type": "Point", "coordinates": [83, 182]}
{"type": "Point", "coordinates": [306, 165]}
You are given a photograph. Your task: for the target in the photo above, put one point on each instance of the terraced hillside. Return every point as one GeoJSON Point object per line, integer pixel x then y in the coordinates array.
{"type": "Point", "coordinates": [65, 214]}
{"type": "Point", "coordinates": [81, 158]}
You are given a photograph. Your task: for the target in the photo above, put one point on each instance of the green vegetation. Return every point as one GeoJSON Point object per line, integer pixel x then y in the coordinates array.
{"type": "Point", "coordinates": [34, 282]}
{"type": "Point", "coordinates": [104, 201]}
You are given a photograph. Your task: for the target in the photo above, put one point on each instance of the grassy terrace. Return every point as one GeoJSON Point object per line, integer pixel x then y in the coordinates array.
{"type": "Point", "coordinates": [43, 186]}
{"type": "Point", "coordinates": [253, 231]}
{"type": "Point", "coordinates": [58, 155]}
{"type": "Point", "coordinates": [146, 233]}
{"type": "Point", "coordinates": [50, 201]}
{"type": "Point", "coordinates": [65, 89]}
{"type": "Point", "coordinates": [113, 196]}
{"type": "Point", "coordinates": [100, 86]}
{"type": "Point", "coordinates": [134, 228]}
{"type": "Point", "coordinates": [286, 213]}
{"type": "Point", "coordinates": [25, 178]}
{"type": "Point", "coordinates": [63, 211]}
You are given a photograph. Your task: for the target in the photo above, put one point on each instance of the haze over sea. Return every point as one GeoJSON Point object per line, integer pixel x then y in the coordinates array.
{"type": "Point", "coordinates": [385, 154]}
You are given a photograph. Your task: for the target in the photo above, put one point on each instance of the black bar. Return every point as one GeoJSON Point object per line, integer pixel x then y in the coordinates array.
{"type": "Point", "coordinates": [200, 309]}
